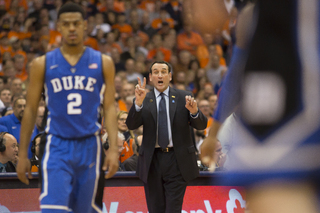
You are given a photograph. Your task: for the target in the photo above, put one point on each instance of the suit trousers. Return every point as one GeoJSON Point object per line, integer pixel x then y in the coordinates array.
{"type": "Point", "coordinates": [165, 187]}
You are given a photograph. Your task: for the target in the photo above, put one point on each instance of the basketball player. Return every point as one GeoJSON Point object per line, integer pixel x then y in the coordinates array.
{"type": "Point", "coordinates": [73, 77]}
{"type": "Point", "coordinates": [276, 153]}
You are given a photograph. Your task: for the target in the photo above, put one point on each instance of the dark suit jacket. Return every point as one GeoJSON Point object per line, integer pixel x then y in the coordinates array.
{"type": "Point", "coordinates": [180, 119]}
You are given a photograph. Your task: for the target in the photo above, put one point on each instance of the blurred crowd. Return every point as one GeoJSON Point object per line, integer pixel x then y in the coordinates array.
{"type": "Point", "coordinates": [134, 33]}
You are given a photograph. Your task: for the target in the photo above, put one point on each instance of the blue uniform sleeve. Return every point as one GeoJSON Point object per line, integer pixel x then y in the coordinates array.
{"type": "Point", "coordinates": [3, 128]}
{"type": "Point", "coordinates": [230, 93]}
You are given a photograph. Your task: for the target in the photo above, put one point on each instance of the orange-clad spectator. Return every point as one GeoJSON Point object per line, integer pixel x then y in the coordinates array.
{"type": "Point", "coordinates": [9, 71]}
{"type": "Point", "coordinates": [119, 6]}
{"type": "Point", "coordinates": [229, 25]}
{"type": "Point", "coordinates": [204, 107]}
{"type": "Point", "coordinates": [15, 30]}
{"type": "Point", "coordinates": [184, 59]}
{"type": "Point", "coordinates": [19, 65]}
{"type": "Point", "coordinates": [126, 90]}
{"type": "Point", "coordinates": [16, 48]}
{"type": "Point", "coordinates": [137, 32]}
{"type": "Point", "coordinates": [19, 3]}
{"type": "Point", "coordinates": [164, 17]}
{"type": "Point", "coordinates": [206, 48]}
{"type": "Point", "coordinates": [91, 42]}
{"type": "Point", "coordinates": [189, 40]}
{"type": "Point", "coordinates": [12, 6]}
{"type": "Point", "coordinates": [111, 5]}
{"type": "Point", "coordinates": [157, 42]}
{"type": "Point", "coordinates": [55, 37]}
{"type": "Point", "coordinates": [121, 25]}
{"type": "Point", "coordinates": [111, 43]}
{"type": "Point", "coordinates": [101, 5]}
{"type": "Point", "coordinates": [147, 5]}
{"type": "Point", "coordinates": [4, 45]}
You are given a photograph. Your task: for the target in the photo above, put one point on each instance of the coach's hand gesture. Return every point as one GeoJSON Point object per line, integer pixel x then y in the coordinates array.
{"type": "Point", "coordinates": [140, 92]}
{"type": "Point", "coordinates": [191, 105]}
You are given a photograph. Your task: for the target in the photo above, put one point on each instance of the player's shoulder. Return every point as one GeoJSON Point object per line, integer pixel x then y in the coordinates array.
{"type": "Point", "coordinates": [40, 60]}
{"type": "Point", "coordinates": [106, 58]}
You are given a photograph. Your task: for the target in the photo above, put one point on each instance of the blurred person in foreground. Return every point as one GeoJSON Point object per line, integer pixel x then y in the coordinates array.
{"type": "Point", "coordinates": [73, 76]}
{"type": "Point", "coordinates": [276, 154]}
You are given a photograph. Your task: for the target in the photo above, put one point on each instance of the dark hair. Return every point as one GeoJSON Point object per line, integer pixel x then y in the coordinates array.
{"type": "Point", "coordinates": [193, 61]}
{"type": "Point", "coordinates": [160, 62]}
{"type": "Point", "coordinates": [71, 7]}
{"type": "Point", "coordinates": [18, 97]}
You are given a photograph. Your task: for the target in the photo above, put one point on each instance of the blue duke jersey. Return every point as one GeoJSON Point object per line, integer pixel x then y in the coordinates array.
{"type": "Point", "coordinates": [73, 94]}
{"type": "Point", "coordinates": [278, 130]}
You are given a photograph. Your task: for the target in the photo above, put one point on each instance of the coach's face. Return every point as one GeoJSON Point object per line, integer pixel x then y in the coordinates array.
{"type": "Point", "coordinates": [160, 76]}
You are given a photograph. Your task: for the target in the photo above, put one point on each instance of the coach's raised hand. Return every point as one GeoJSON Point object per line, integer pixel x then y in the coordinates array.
{"type": "Point", "coordinates": [140, 92]}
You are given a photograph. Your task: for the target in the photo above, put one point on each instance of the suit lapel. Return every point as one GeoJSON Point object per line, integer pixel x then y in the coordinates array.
{"type": "Point", "coordinates": [152, 105]}
{"type": "Point", "coordinates": [173, 98]}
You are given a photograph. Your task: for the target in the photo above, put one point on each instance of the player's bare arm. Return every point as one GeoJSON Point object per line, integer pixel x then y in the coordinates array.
{"type": "Point", "coordinates": [33, 97]}
{"type": "Point", "coordinates": [112, 160]}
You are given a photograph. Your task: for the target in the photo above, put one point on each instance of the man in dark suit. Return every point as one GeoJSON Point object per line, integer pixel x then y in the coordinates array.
{"type": "Point", "coordinates": [167, 158]}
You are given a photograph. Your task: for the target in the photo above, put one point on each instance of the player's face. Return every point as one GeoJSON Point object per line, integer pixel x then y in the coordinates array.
{"type": "Point", "coordinates": [160, 76]}
{"type": "Point", "coordinates": [72, 27]}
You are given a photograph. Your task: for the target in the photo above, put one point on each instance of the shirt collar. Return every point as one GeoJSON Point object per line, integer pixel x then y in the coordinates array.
{"type": "Point", "coordinates": [157, 93]}
{"type": "Point", "coordinates": [15, 119]}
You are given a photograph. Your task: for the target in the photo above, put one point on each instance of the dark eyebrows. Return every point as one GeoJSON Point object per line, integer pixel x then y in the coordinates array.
{"type": "Point", "coordinates": [74, 21]}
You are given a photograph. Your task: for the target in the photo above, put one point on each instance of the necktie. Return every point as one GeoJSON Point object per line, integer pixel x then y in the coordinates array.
{"type": "Point", "coordinates": [163, 137]}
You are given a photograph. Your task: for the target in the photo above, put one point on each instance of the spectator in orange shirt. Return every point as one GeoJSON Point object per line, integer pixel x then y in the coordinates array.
{"type": "Point", "coordinates": [121, 24]}
{"type": "Point", "coordinates": [111, 43]}
{"type": "Point", "coordinates": [19, 65]}
{"type": "Point", "coordinates": [5, 45]}
{"type": "Point", "coordinates": [147, 5]}
{"type": "Point", "coordinates": [126, 90]}
{"type": "Point", "coordinates": [204, 107]}
{"type": "Point", "coordinates": [189, 40]}
{"type": "Point", "coordinates": [157, 42]}
{"type": "Point", "coordinates": [145, 25]}
{"type": "Point", "coordinates": [184, 59]}
{"type": "Point", "coordinates": [91, 42]}
{"type": "Point", "coordinates": [16, 48]}
{"type": "Point", "coordinates": [229, 26]}
{"type": "Point", "coordinates": [9, 71]}
{"type": "Point", "coordinates": [207, 48]}
{"type": "Point", "coordinates": [88, 40]}
{"type": "Point", "coordinates": [164, 17]}
{"type": "Point", "coordinates": [144, 38]}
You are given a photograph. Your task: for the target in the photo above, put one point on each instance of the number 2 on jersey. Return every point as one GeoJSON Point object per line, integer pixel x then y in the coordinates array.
{"type": "Point", "coordinates": [75, 101]}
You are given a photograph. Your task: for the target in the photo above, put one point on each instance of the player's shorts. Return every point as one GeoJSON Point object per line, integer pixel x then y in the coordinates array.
{"type": "Point", "coordinates": [70, 175]}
